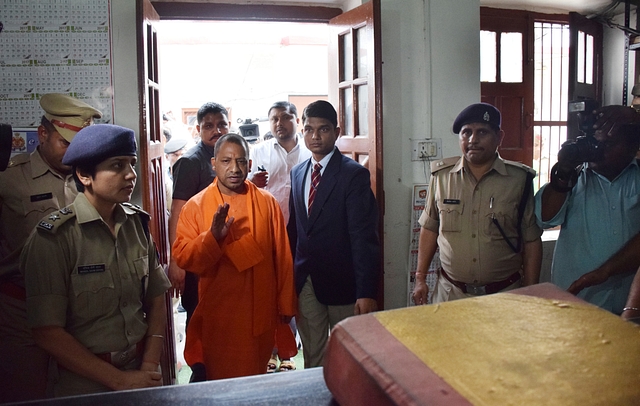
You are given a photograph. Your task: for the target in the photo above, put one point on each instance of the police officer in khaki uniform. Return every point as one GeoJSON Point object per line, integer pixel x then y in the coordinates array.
{"type": "Point", "coordinates": [32, 186]}
{"type": "Point", "coordinates": [480, 212]}
{"type": "Point", "coordinates": [98, 307]}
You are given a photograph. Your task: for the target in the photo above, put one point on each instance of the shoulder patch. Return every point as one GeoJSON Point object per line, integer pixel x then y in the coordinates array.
{"type": "Point", "coordinates": [53, 221]}
{"type": "Point", "coordinates": [521, 166]}
{"type": "Point", "coordinates": [18, 160]}
{"type": "Point", "coordinates": [131, 208]}
{"type": "Point", "coordinates": [443, 163]}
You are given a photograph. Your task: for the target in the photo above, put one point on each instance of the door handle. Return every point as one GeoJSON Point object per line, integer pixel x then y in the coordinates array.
{"type": "Point", "coordinates": [528, 120]}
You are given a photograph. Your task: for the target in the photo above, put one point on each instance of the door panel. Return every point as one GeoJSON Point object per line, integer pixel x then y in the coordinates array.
{"type": "Point", "coordinates": [355, 69]}
{"type": "Point", "coordinates": [512, 107]}
{"type": "Point", "coordinates": [152, 163]}
{"type": "Point", "coordinates": [585, 64]}
{"type": "Point", "coordinates": [511, 89]}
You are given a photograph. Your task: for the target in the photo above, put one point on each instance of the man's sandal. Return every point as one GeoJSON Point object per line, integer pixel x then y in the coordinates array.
{"type": "Point", "coordinates": [287, 365]}
{"type": "Point", "coordinates": [272, 365]}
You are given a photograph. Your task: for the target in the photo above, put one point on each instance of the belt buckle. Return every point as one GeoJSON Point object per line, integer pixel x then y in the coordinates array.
{"type": "Point", "coordinates": [121, 358]}
{"type": "Point", "coordinates": [476, 290]}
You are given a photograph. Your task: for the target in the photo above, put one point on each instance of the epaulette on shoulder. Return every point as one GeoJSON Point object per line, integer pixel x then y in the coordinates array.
{"type": "Point", "coordinates": [53, 221]}
{"type": "Point", "coordinates": [521, 166]}
{"type": "Point", "coordinates": [18, 160]}
{"type": "Point", "coordinates": [131, 208]}
{"type": "Point", "coordinates": [443, 163]}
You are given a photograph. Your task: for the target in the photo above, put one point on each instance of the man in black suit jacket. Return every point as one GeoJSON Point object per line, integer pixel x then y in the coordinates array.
{"type": "Point", "coordinates": [334, 237]}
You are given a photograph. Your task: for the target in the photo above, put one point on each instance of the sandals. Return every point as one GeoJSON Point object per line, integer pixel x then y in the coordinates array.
{"type": "Point", "coordinates": [287, 365]}
{"type": "Point", "coordinates": [272, 365]}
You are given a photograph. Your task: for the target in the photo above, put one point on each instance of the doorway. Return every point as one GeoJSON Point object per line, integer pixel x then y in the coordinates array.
{"type": "Point", "coordinates": [246, 66]}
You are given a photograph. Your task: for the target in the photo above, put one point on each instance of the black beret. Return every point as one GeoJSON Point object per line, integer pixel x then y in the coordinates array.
{"type": "Point", "coordinates": [478, 113]}
{"type": "Point", "coordinates": [95, 143]}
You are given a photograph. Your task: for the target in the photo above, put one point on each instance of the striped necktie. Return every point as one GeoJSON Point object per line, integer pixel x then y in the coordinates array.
{"type": "Point", "coordinates": [315, 181]}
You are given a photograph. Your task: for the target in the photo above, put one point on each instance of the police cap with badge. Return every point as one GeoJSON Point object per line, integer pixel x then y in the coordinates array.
{"type": "Point", "coordinates": [478, 113]}
{"type": "Point", "coordinates": [96, 143]}
{"type": "Point", "coordinates": [68, 114]}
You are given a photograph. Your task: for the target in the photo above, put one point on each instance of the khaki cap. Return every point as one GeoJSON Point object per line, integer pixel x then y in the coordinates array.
{"type": "Point", "coordinates": [68, 114]}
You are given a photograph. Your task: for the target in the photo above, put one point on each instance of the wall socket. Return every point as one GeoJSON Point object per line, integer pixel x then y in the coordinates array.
{"type": "Point", "coordinates": [426, 149]}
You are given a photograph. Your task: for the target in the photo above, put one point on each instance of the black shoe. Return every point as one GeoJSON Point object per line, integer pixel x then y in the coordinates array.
{"type": "Point", "coordinates": [198, 373]}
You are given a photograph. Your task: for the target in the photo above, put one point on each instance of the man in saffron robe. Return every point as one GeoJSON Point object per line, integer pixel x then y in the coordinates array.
{"type": "Point", "coordinates": [233, 236]}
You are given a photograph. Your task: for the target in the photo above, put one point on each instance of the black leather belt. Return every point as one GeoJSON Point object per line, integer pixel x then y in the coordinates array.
{"type": "Point", "coordinates": [487, 289]}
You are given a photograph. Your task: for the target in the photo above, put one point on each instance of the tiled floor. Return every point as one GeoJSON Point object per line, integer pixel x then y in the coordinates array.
{"type": "Point", "coordinates": [183, 370]}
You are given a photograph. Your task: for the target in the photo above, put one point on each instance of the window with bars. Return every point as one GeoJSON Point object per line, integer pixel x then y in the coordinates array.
{"type": "Point", "coordinates": [551, 78]}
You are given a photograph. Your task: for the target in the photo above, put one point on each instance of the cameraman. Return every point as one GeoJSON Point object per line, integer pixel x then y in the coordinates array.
{"type": "Point", "coordinates": [594, 196]}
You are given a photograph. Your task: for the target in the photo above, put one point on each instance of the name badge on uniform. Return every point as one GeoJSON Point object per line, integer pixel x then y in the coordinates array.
{"type": "Point", "coordinates": [85, 269]}
{"type": "Point", "coordinates": [40, 197]}
{"type": "Point", "coordinates": [45, 225]}
{"type": "Point", "coordinates": [451, 201]}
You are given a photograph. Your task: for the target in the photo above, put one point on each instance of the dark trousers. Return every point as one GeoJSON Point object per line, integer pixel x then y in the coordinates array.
{"type": "Point", "coordinates": [190, 294]}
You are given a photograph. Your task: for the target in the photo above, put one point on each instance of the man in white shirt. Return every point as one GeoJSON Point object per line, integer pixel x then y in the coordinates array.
{"type": "Point", "coordinates": [272, 161]}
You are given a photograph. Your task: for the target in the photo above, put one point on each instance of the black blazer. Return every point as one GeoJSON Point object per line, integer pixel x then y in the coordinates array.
{"type": "Point", "coordinates": [338, 243]}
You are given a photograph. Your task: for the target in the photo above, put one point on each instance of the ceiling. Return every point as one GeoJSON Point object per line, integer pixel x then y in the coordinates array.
{"type": "Point", "coordinates": [585, 7]}
{"type": "Point", "coordinates": [551, 6]}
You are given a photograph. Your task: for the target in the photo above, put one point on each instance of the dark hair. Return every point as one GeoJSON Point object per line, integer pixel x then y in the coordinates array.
{"type": "Point", "coordinates": [87, 169]}
{"type": "Point", "coordinates": [47, 125]}
{"type": "Point", "coordinates": [321, 109]}
{"type": "Point", "coordinates": [284, 105]}
{"type": "Point", "coordinates": [233, 138]}
{"type": "Point", "coordinates": [211, 108]}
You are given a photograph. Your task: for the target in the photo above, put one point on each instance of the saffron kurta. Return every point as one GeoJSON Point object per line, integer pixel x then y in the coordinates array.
{"type": "Point", "coordinates": [245, 283]}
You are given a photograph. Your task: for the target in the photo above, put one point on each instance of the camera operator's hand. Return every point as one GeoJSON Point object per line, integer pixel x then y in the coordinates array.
{"type": "Point", "coordinates": [609, 118]}
{"type": "Point", "coordinates": [589, 279]}
{"type": "Point", "coordinates": [564, 176]}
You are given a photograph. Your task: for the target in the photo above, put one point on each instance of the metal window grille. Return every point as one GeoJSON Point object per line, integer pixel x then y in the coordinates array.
{"type": "Point", "coordinates": [551, 45]}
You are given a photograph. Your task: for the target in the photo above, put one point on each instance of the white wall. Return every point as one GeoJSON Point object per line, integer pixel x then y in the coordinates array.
{"type": "Point", "coordinates": [430, 53]}
{"type": "Point", "coordinates": [613, 69]}
{"type": "Point", "coordinates": [125, 77]}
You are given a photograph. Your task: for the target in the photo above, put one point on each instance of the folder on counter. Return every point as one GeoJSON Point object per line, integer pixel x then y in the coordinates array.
{"type": "Point", "coordinates": [533, 346]}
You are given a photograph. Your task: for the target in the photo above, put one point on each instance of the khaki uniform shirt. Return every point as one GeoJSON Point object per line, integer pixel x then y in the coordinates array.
{"type": "Point", "coordinates": [459, 209]}
{"type": "Point", "coordinates": [29, 190]}
{"type": "Point", "coordinates": [80, 277]}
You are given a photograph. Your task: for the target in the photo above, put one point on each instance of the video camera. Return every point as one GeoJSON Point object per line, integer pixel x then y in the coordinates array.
{"type": "Point", "coordinates": [585, 148]}
{"type": "Point", "coordinates": [574, 153]}
{"type": "Point", "coordinates": [249, 130]}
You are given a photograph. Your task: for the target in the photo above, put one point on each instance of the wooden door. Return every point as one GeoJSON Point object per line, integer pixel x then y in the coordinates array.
{"type": "Point", "coordinates": [507, 77]}
{"type": "Point", "coordinates": [355, 70]}
{"type": "Point", "coordinates": [585, 65]}
{"type": "Point", "coordinates": [151, 160]}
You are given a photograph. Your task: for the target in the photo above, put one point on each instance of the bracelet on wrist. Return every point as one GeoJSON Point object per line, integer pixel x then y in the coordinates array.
{"type": "Point", "coordinates": [156, 336]}
{"type": "Point", "coordinates": [635, 309]}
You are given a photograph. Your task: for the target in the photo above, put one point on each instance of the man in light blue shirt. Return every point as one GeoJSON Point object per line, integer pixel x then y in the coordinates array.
{"type": "Point", "coordinates": [599, 213]}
